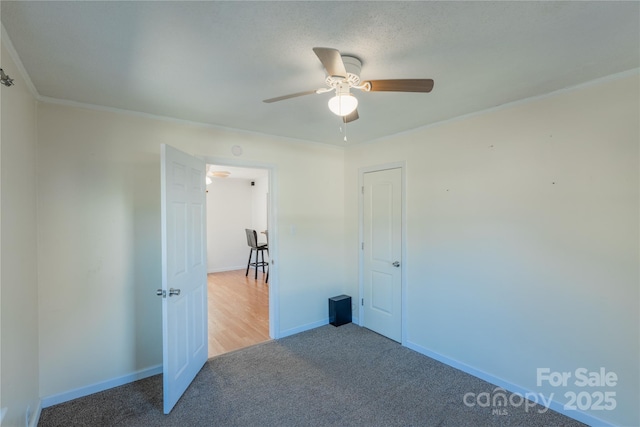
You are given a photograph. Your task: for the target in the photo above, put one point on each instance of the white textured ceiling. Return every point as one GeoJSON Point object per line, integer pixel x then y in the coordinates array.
{"type": "Point", "coordinates": [214, 62]}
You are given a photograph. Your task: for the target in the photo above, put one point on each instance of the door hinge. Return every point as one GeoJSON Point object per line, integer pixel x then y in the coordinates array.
{"type": "Point", "coordinates": [362, 189]}
{"type": "Point", "coordinates": [362, 302]}
{"type": "Point", "coordinates": [362, 246]}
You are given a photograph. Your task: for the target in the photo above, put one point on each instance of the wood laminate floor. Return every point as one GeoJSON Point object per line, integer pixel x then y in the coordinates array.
{"type": "Point", "coordinates": [238, 310]}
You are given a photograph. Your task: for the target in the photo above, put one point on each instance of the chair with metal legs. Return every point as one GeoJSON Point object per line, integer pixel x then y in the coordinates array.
{"type": "Point", "coordinates": [252, 242]}
{"type": "Point", "coordinates": [266, 233]}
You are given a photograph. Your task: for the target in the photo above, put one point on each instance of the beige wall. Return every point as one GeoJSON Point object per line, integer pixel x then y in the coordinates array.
{"type": "Point", "coordinates": [229, 212]}
{"type": "Point", "coordinates": [233, 205]}
{"type": "Point", "coordinates": [522, 238]}
{"type": "Point", "coordinates": [99, 199]}
{"type": "Point", "coordinates": [19, 394]}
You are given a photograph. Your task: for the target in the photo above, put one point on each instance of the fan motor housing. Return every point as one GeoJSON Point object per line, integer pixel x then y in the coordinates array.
{"type": "Point", "coordinates": [353, 66]}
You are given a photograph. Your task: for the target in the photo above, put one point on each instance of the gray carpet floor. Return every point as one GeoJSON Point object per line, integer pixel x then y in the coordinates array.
{"type": "Point", "coordinates": [344, 376]}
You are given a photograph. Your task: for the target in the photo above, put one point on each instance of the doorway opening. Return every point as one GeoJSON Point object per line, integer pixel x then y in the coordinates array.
{"type": "Point", "coordinates": [238, 198]}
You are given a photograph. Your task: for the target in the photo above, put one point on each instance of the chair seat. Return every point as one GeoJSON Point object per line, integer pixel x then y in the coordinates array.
{"type": "Point", "coordinates": [252, 242]}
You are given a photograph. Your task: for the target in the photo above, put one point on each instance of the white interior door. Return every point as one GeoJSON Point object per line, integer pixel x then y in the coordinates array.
{"type": "Point", "coordinates": [184, 274]}
{"type": "Point", "coordinates": [382, 250]}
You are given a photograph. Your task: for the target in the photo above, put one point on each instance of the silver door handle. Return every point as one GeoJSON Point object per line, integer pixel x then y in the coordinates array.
{"type": "Point", "coordinates": [161, 293]}
{"type": "Point", "coordinates": [396, 264]}
{"type": "Point", "coordinates": [173, 292]}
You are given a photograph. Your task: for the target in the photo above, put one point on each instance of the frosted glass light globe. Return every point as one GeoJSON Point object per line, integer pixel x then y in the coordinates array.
{"type": "Point", "coordinates": [343, 105]}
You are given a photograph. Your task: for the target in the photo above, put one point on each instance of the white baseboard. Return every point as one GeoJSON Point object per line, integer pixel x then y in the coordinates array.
{"type": "Point", "coordinates": [221, 269]}
{"type": "Point", "coordinates": [101, 386]}
{"type": "Point", "coordinates": [513, 388]}
{"type": "Point", "coordinates": [303, 328]}
{"type": "Point", "coordinates": [310, 326]}
{"type": "Point", "coordinates": [35, 418]}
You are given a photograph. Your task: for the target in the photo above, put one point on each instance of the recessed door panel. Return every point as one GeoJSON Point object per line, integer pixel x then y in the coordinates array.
{"type": "Point", "coordinates": [382, 292]}
{"type": "Point", "coordinates": [381, 205]}
{"type": "Point", "coordinates": [180, 322]}
{"type": "Point", "coordinates": [199, 307]}
{"type": "Point", "coordinates": [178, 240]}
{"type": "Point", "coordinates": [197, 230]}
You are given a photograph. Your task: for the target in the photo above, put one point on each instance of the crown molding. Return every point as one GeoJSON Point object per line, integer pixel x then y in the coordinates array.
{"type": "Point", "coordinates": [6, 40]}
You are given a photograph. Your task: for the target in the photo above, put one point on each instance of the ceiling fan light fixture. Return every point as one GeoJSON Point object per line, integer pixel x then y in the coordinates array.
{"type": "Point", "coordinates": [221, 174]}
{"type": "Point", "coordinates": [343, 105]}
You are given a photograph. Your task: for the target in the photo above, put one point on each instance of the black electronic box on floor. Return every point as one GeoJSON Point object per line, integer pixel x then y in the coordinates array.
{"type": "Point", "coordinates": [340, 310]}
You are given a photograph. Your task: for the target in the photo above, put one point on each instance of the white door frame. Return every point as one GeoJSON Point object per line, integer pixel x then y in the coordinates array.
{"type": "Point", "coordinates": [402, 165]}
{"type": "Point", "coordinates": [272, 226]}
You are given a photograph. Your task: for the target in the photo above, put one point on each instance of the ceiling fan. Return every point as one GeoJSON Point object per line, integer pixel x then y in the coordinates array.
{"type": "Point", "coordinates": [343, 74]}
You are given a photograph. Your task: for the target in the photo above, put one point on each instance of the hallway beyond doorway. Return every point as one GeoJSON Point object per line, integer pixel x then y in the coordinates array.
{"type": "Point", "coordinates": [238, 311]}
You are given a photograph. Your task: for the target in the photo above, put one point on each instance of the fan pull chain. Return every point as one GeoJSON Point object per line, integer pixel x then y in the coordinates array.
{"type": "Point", "coordinates": [345, 130]}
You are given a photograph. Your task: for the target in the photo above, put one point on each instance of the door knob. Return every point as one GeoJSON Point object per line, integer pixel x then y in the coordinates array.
{"type": "Point", "coordinates": [160, 293]}
{"type": "Point", "coordinates": [396, 264]}
{"type": "Point", "coordinates": [173, 292]}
